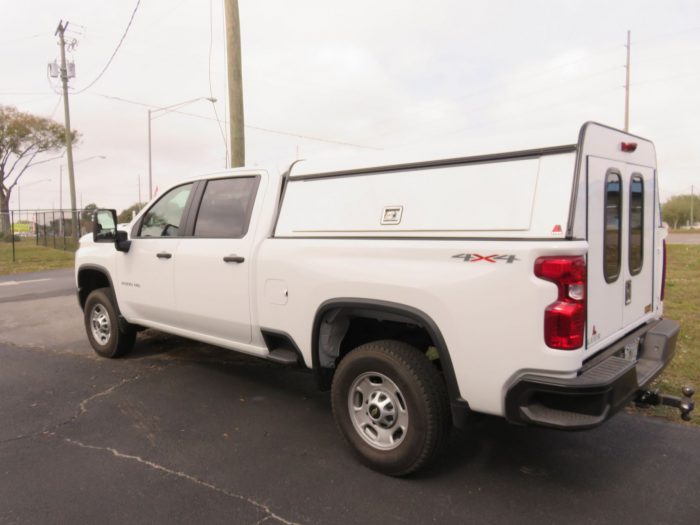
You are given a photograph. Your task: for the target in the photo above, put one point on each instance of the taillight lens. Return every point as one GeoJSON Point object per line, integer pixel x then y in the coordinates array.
{"type": "Point", "coordinates": [663, 274]}
{"type": "Point", "coordinates": [565, 319]}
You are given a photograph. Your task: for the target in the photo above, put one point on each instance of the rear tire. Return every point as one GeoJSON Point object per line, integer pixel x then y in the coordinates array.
{"type": "Point", "coordinates": [390, 404]}
{"type": "Point", "coordinates": [108, 336]}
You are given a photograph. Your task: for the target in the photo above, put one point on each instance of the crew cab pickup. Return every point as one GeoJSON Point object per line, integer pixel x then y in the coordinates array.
{"type": "Point", "coordinates": [527, 284]}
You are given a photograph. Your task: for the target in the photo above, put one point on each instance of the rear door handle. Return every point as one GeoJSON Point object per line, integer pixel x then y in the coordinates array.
{"type": "Point", "coordinates": [164, 255]}
{"type": "Point", "coordinates": [234, 259]}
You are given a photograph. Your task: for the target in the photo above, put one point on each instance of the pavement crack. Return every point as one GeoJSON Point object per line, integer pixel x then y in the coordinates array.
{"type": "Point", "coordinates": [82, 408]}
{"type": "Point", "coordinates": [23, 436]}
{"type": "Point", "coordinates": [183, 475]}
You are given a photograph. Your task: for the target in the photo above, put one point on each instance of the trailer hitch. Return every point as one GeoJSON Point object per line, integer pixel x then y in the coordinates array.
{"type": "Point", "coordinates": [685, 403]}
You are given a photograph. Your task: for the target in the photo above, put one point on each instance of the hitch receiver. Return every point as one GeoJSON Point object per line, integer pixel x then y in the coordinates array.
{"type": "Point", "coordinates": [685, 403]}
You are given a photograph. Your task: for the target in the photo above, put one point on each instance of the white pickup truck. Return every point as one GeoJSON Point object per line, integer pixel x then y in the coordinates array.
{"type": "Point", "coordinates": [526, 284]}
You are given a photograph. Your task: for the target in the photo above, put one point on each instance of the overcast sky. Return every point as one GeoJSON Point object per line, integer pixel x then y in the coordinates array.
{"type": "Point", "coordinates": [359, 75]}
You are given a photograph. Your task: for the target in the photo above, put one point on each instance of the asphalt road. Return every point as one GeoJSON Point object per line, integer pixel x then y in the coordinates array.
{"type": "Point", "coordinates": [684, 238]}
{"type": "Point", "coordinates": [182, 432]}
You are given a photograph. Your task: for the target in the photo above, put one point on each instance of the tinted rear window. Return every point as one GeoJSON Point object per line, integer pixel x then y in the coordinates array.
{"type": "Point", "coordinates": [226, 207]}
{"type": "Point", "coordinates": [636, 233]}
{"type": "Point", "coordinates": [612, 233]}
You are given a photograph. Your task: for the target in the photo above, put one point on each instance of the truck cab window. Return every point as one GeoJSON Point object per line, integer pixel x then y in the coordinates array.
{"type": "Point", "coordinates": [226, 208]}
{"type": "Point", "coordinates": [164, 218]}
{"type": "Point", "coordinates": [613, 226]}
{"type": "Point", "coordinates": [636, 233]}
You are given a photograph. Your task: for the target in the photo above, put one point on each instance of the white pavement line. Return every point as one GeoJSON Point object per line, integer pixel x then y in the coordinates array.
{"type": "Point", "coordinates": [14, 283]}
{"type": "Point", "coordinates": [182, 475]}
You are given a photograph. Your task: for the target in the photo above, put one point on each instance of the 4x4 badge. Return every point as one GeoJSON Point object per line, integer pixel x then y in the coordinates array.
{"type": "Point", "coordinates": [475, 257]}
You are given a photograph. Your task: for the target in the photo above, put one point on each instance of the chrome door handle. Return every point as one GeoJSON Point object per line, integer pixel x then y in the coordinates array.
{"type": "Point", "coordinates": [234, 259]}
{"type": "Point", "coordinates": [164, 255]}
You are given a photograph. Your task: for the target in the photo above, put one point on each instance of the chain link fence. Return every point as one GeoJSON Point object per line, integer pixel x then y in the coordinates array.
{"type": "Point", "coordinates": [49, 228]}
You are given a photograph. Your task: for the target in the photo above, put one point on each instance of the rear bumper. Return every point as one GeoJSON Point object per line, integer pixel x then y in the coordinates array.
{"type": "Point", "coordinates": [604, 385]}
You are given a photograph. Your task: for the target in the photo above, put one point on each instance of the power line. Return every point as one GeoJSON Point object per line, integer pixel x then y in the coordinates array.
{"type": "Point", "coordinates": [55, 108]}
{"type": "Point", "coordinates": [533, 73]}
{"type": "Point", "coordinates": [538, 73]}
{"type": "Point", "coordinates": [257, 128]}
{"type": "Point", "coordinates": [663, 79]}
{"type": "Point", "coordinates": [21, 38]}
{"type": "Point", "coordinates": [121, 40]}
{"type": "Point", "coordinates": [519, 96]}
{"type": "Point", "coordinates": [23, 93]}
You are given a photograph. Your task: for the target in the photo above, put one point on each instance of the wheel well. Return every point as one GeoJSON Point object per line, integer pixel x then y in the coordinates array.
{"type": "Point", "coordinates": [338, 330]}
{"type": "Point", "coordinates": [344, 324]}
{"type": "Point", "coordinates": [90, 279]}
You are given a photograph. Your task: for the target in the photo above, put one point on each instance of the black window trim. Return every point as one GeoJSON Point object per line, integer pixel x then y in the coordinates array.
{"type": "Point", "coordinates": [613, 278]}
{"type": "Point", "coordinates": [183, 220]}
{"type": "Point", "coordinates": [638, 177]}
{"type": "Point", "coordinates": [196, 206]}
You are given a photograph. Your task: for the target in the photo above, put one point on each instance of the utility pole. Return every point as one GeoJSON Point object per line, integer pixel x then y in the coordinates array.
{"type": "Point", "coordinates": [139, 179]}
{"type": "Point", "coordinates": [60, 31]}
{"type": "Point", "coordinates": [235, 83]}
{"type": "Point", "coordinates": [627, 85]}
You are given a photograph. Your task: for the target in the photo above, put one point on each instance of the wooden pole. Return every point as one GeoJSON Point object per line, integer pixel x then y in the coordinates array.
{"type": "Point", "coordinates": [235, 83]}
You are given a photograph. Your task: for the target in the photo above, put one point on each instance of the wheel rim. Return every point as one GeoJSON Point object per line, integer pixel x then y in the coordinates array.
{"type": "Point", "coordinates": [378, 410]}
{"type": "Point", "coordinates": [100, 324]}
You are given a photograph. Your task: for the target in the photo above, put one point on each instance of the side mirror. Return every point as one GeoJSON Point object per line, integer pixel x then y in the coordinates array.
{"type": "Point", "coordinates": [104, 226]}
{"type": "Point", "coordinates": [104, 229]}
{"type": "Point", "coordinates": [122, 242]}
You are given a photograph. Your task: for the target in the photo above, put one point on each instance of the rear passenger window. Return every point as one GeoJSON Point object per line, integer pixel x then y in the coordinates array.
{"type": "Point", "coordinates": [636, 233]}
{"type": "Point", "coordinates": [226, 207]}
{"type": "Point", "coordinates": [612, 230]}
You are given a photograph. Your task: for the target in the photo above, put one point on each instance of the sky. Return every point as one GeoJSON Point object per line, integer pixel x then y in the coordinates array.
{"type": "Point", "coordinates": [324, 77]}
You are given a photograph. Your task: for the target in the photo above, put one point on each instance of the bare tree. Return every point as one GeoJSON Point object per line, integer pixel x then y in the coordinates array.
{"type": "Point", "coordinates": [23, 137]}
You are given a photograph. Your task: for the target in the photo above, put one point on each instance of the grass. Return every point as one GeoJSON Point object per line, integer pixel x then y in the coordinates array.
{"type": "Point", "coordinates": [32, 258]}
{"type": "Point", "coordinates": [682, 303]}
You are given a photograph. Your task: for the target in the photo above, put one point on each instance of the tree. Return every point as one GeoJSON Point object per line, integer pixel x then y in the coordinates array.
{"type": "Point", "coordinates": [676, 210]}
{"type": "Point", "coordinates": [88, 211]}
{"type": "Point", "coordinates": [128, 213]}
{"type": "Point", "coordinates": [23, 137]}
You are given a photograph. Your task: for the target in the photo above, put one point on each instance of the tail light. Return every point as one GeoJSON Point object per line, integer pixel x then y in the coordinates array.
{"type": "Point", "coordinates": [663, 274]}
{"type": "Point", "coordinates": [564, 320]}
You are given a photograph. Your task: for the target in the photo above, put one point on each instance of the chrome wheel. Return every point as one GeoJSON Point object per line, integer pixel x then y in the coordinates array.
{"type": "Point", "coordinates": [378, 410]}
{"type": "Point", "coordinates": [100, 324]}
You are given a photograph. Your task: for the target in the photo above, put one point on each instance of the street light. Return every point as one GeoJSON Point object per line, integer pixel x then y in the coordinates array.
{"type": "Point", "coordinates": [166, 109]}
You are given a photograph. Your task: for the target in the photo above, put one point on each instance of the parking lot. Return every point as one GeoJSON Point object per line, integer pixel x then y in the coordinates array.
{"type": "Point", "coordinates": [180, 431]}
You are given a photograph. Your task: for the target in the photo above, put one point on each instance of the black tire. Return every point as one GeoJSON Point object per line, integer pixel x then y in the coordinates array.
{"type": "Point", "coordinates": [108, 336]}
{"type": "Point", "coordinates": [417, 388]}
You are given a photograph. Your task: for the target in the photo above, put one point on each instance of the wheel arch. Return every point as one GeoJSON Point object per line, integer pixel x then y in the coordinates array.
{"type": "Point", "coordinates": [336, 311]}
{"type": "Point", "coordinates": [91, 277]}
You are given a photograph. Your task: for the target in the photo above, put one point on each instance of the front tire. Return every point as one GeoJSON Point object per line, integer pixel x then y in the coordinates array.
{"type": "Point", "coordinates": [107, 335]}
{"type": "Point", "coordinates": [390, 404]}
